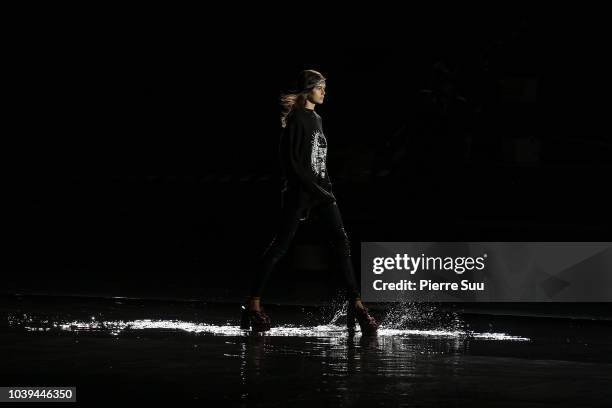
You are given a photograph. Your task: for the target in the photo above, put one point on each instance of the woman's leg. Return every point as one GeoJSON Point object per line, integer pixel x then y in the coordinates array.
{"type": "Point", "coordinates": [287, 227]}
{"type": "Point", "coordinates": [331, 219]}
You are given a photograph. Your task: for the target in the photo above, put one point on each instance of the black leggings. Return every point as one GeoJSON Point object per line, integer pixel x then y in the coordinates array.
{"type": "Point", "coordinates": [330, 219]}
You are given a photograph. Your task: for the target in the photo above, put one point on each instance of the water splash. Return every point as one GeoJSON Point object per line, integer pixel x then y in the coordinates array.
{"type": "Point", "coordinates": [117, 327]}
{"type": "Point", "coordinates": [401, 320]}
{"type": "Point", "coordinates": [413, 315]}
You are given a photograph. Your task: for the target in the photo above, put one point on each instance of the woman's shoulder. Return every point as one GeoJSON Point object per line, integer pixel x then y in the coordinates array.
{"type": "Point", "coordinates": [295, 117]}
{"type": "Point", "coordinates": [304, 115]}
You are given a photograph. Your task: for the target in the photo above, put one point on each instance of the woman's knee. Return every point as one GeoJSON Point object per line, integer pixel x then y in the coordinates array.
{"type": "Point", "coordinates": [277, 249]}
{"type": "Point", "coordinates": [341, 243]}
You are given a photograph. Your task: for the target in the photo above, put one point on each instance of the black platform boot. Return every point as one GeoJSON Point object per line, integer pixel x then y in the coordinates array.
{"type": "Point", "coordinates": [256, 320]}
{"type": "Point", "coordinates": [367, 323]}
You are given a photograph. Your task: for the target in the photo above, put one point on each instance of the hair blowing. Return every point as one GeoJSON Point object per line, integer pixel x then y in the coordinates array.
{"type": "Point", "coordinates": [292, 100]}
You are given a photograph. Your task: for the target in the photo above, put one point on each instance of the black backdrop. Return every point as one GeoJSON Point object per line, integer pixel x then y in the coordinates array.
{"type": "Point", "coordinates": [455, 128]}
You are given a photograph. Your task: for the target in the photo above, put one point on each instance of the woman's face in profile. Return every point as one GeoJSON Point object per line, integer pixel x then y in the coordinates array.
{"type": "Point", "coordinates": [317, 94]}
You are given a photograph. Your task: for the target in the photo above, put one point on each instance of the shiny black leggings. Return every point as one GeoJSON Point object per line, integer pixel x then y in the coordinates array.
{"type": "Point", "coordinates": [330, 219]}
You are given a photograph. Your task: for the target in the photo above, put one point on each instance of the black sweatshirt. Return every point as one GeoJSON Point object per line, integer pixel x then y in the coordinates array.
{"type": "Point", "coordinates": [303, 157]}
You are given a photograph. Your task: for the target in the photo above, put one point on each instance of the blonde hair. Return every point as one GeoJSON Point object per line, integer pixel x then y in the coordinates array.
{"type": "Point", "coordinates": [306, 80]}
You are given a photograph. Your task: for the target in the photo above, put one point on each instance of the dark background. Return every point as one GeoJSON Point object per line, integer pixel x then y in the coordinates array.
{"type": "Point", "coordinates": [440, 128]}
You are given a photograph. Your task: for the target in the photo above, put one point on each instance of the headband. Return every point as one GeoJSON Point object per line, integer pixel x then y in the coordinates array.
{"type": "Point", "coordinates": [311, 83]}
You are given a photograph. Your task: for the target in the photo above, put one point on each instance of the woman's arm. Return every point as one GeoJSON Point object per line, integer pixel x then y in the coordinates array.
{"type": "Point", "coordinates": [327, 183]}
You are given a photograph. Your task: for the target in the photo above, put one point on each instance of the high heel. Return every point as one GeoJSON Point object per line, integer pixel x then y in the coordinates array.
{"type": "Point", "coordinates": [257, 320]}
{"type": "Point", "coordinates": [367, 323]}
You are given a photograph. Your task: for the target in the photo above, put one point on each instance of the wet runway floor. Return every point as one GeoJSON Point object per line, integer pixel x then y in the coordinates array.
{"type": "Point", "coordinates": [129, 349]}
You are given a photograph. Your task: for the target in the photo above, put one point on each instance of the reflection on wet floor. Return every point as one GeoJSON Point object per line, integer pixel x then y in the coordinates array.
{"type": "Point", "coordinates": [191, 351]}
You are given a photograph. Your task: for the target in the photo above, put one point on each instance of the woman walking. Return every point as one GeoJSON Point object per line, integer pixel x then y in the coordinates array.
{"type": "Point", "coordinates": [306, 192]}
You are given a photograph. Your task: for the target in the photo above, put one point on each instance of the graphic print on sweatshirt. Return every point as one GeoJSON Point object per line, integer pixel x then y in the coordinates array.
{"type": "Point", "coordinates": [319, 153]}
